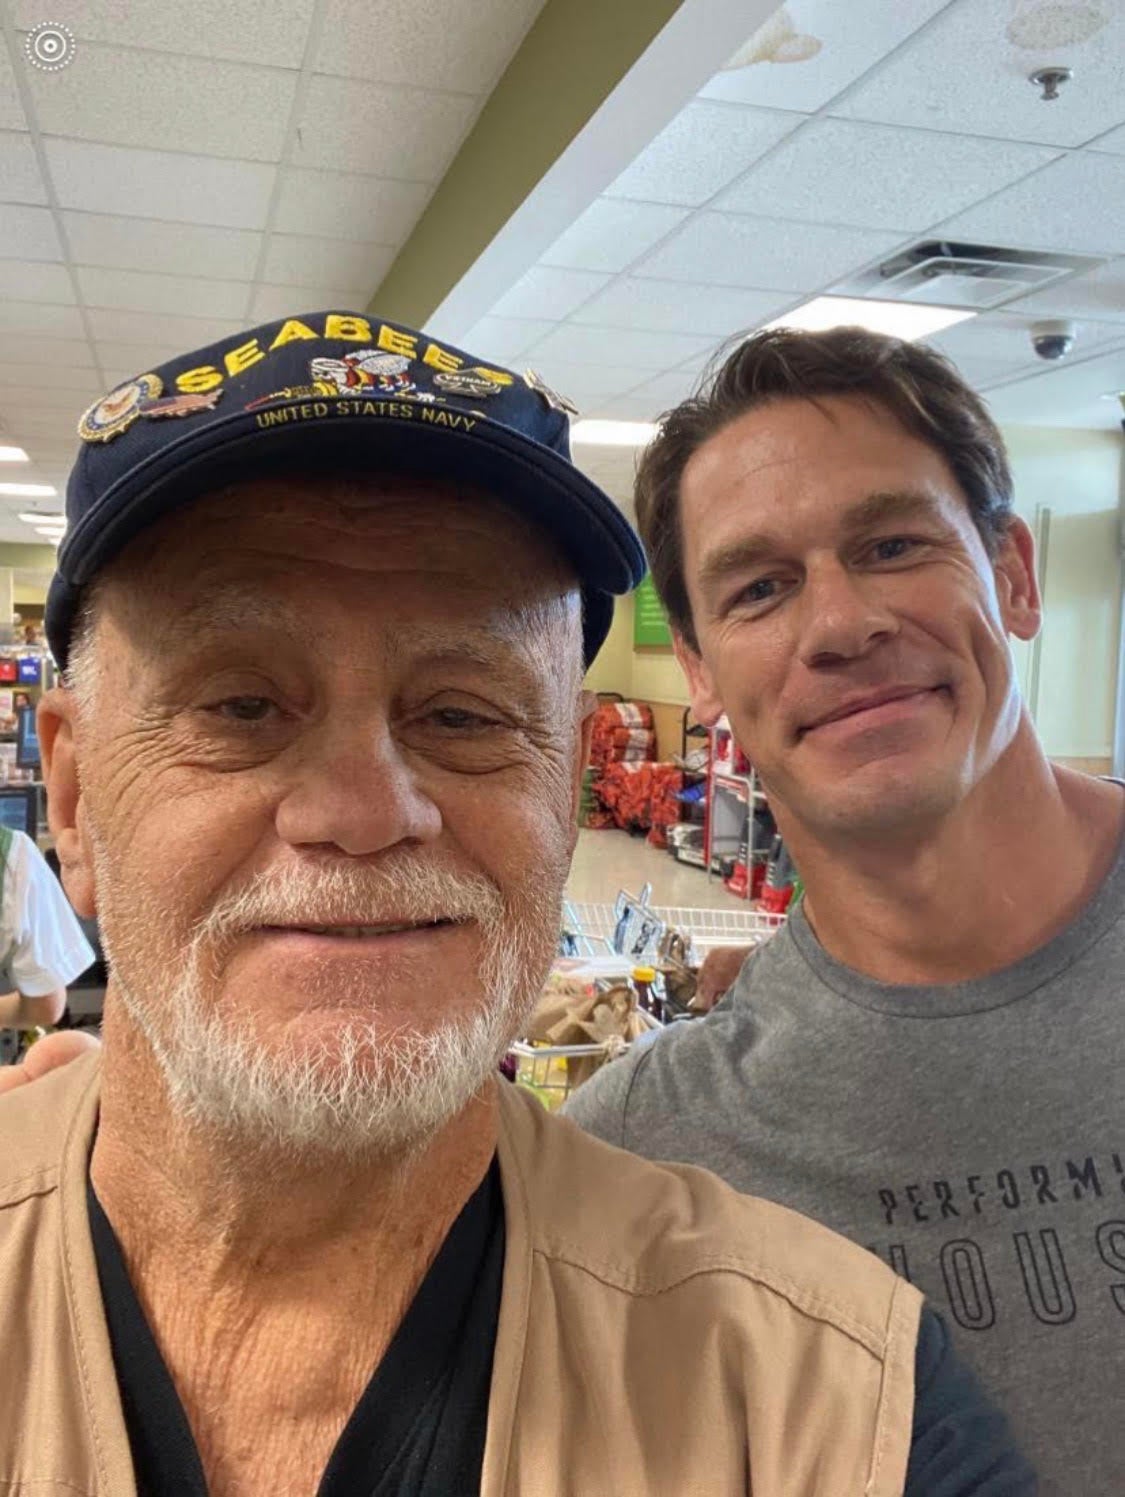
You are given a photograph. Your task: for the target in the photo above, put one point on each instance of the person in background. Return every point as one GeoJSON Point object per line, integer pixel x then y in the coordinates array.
{"type": "Point", "coordinates": [928, 1056]}
{"type": "Point", "coordinates": [42, 947]}
{"type": "Point", "coordinates": [290, 1230]}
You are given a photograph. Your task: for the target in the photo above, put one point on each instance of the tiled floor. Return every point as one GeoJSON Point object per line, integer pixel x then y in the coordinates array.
{"type": "Point", "coordinates": [606, 862]}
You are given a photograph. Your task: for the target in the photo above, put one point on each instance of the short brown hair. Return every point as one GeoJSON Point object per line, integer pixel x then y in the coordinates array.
{"type": "Point", "coordinates": [915, 384]}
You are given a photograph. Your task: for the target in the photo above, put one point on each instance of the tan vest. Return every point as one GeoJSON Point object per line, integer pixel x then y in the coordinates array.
{"type": "Point", "coordinates": [659, 1334]}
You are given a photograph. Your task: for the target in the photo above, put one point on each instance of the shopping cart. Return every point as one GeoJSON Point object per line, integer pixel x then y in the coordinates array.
{"type": "Point", "coordinates": [634, 928]}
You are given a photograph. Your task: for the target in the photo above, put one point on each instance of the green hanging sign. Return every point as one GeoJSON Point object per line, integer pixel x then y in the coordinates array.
{"type": "Point", "coordinates": [650, 622]}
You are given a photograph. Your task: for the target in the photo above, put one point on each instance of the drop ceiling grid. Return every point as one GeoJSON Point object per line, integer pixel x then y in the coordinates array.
{"type": "Point", "coordinates": [196, 169]}
{"type": "Point", "coordinates": [978, 177]}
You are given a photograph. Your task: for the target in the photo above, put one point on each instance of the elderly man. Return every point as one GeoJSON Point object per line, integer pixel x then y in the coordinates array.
{"type": "Point", "coordinates": [316, 766]}
{"type": "Point", "coordinates": [928, 1059]}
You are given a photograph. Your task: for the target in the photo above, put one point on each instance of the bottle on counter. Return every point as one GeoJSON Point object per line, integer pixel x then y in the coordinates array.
{"type": "Point", "coordinates": [644, 984]}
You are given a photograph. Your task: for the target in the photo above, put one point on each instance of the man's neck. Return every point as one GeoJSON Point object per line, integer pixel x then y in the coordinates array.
{"type": "Point", "coordinates": [1017, 861]}
{"type": "Point", "coordinates": [273, 1289]}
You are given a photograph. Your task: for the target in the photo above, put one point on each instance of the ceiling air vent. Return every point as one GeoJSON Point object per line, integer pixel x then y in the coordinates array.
{"type": "Point", "coordinates": [975, 276]}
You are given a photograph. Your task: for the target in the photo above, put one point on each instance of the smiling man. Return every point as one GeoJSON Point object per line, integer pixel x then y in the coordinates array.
{"type": "Point", "coordinates": [316, 767]}
{"type": "Point", "coordinates": [928, 1057]}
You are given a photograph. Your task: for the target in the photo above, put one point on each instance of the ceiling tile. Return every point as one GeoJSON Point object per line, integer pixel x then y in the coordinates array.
{"type": "Point", "coordinates": [705, 147]}
{"type": "Point", "coordinates": [548, 291]}
{"type": "Point", "coordinates": [1005, 337]}
{"type": "Point", "coordinates": [28, 233]}
{"type": "Point", "coordinates": [31, 354]}
{"type": "Point", "coordinates": [271, 32]}
{"type": "Point", "coordinates": [1077, 204]}
{"type": "Point", "coordinates": [28, 281]}
{"type": "Point", "coordinates": [721, 249]}
{"type": "Point", "coordinates": [350, 207]}
{"type": "Point", "coordinates": [20, 181]}
{"type": "Point", "coordinates": [11, 110]}
{"type": "Point", "coordinates": [138, 291]}
{"type": "Point", "coordinates": [390, 131]}
{"type": "Point", "coordinates": [612, 233]}
{"type": "Point", "coordinates": [667, 390]}
{"type": "Point", "coordinates": [297, 260]}
{"type": "Point", "coordinates": [504, 339]}
{"type": "Point", "coordinates": [879, 177]}
{"type": "Point", "coordinates": [24, 399]}
{"type": "Point", "coordinates": [1114, 142]}
{"type": "Point", "coordinates": [136, 357]}
{"type": "Point", "coordinates": [1099, 294]}
{"type": "Point", "coordinates": [660, 308]}
{"type": "Point", "coordinates": [575, 344]}
{"type": "Point", "coordinates": [133, 98]}
{"type": "Point", "coordinates": [148, 244]}
{"type": "Point", "coordinates": [963, 75]}
{"type": "Point", "coordinates": [854, 37]}
{"type": "Point", "coordinates": [155, 184]}
{"type": "Point", "coordinates": [442, 44]}
{"type": "Point", "coordinates": [17, 376]}
{"type": "Point", "coordinates": [50, 425]}
{"type": "Point", "coordinates": [1073, 395]}
{"type": "Point", "coordinates": [160, 331]}
{"type": "Point", "coordinates": [292, 301]}
{"type": "Point", "coordinates": [36, 320]}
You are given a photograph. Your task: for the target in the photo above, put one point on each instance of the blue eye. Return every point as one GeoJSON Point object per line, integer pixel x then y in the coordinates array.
{"type": "Point", "coordinates": [758, 592]}
{"type": "Point", "coordinates": [893, 549]}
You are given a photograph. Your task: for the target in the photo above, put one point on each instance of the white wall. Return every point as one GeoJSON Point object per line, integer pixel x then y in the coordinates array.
{"type": "Point", "coordinates": [1078, 476]}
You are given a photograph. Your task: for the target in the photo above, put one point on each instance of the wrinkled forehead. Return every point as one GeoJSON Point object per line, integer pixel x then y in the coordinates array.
{"type": "Point", "coordinates": [405, 563]}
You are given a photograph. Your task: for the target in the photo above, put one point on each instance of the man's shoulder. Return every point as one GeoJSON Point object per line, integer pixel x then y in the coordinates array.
{"type": "Point", "coordinates": [644, 1228]}
{"type": "Point", "coordinates": [655, 1080]}
{"type": "Point", "coordinates": [35, 1122]}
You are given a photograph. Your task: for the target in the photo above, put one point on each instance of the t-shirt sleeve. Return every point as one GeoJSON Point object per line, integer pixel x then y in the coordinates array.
{"type": "Point", "coordinates": [49, 950]}
{"type": "Point", "coordinates": [960, 1443]}
{"type": "Point", "coordinates": [599, 1106]}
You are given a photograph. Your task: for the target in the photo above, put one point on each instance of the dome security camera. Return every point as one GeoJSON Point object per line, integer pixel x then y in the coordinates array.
{"type": "Point", "coordinates": [1053, 340]}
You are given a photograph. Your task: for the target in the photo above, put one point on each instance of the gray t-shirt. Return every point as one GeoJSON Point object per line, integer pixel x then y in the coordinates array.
{"type": "Point", "coordinates": [972, 1135]}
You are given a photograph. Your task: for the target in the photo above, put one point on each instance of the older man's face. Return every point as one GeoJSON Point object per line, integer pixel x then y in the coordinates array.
{"type": "Point", "coordinates": [329, 749]}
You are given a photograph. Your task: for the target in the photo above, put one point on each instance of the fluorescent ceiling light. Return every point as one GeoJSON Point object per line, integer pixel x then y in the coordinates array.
{"type": "Point", "coordinates": [907, 320]}
{"type": "Point", "coordinates": [13, 455]}
{"type": "Point", "coordinates": [613, 433]}
{"type": "Point", "coordinates": [28, 490]}
{"type": "Point", "coordinates": [42, 517]}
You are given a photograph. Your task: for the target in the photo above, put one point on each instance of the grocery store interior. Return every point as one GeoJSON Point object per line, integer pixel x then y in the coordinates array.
{"type": "Point", "coordinates": [606, 194]}
{"type": "Point", "coordinates": [591, 204]}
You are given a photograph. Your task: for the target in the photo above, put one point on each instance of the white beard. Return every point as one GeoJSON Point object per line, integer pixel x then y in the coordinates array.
{"type": "Point", "coordinates": [359, 1091]}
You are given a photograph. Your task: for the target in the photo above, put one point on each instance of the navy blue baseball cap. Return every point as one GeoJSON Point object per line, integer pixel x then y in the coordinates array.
{"type": "Point", "coordinates": [334, 391]}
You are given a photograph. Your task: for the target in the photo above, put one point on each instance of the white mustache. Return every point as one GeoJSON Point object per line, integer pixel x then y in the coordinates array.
{"type": "Point", "coordinates": [397, 891]}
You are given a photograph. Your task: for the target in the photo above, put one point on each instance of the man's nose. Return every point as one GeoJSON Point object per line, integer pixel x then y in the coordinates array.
{"type": "Point", "coordinates": [843, 614]}
{"type": "Point", "coordinates": [353, 788]}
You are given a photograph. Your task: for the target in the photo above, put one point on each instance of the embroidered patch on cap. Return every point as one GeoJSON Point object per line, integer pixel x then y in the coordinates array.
{"type": "Point", "coordinates": [366, 369]}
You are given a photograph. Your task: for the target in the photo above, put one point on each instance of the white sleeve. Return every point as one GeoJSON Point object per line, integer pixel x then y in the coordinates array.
{"type": "Point", "coordinates": [49, 950]}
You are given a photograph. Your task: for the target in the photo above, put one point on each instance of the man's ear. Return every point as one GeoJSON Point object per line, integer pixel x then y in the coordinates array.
{"type": "Point", "coordinates": [57, 720]}
{"type": "Point", "coordinates": [1017, 586]}
{"type": "Point", "coordinates": [705, 701]}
